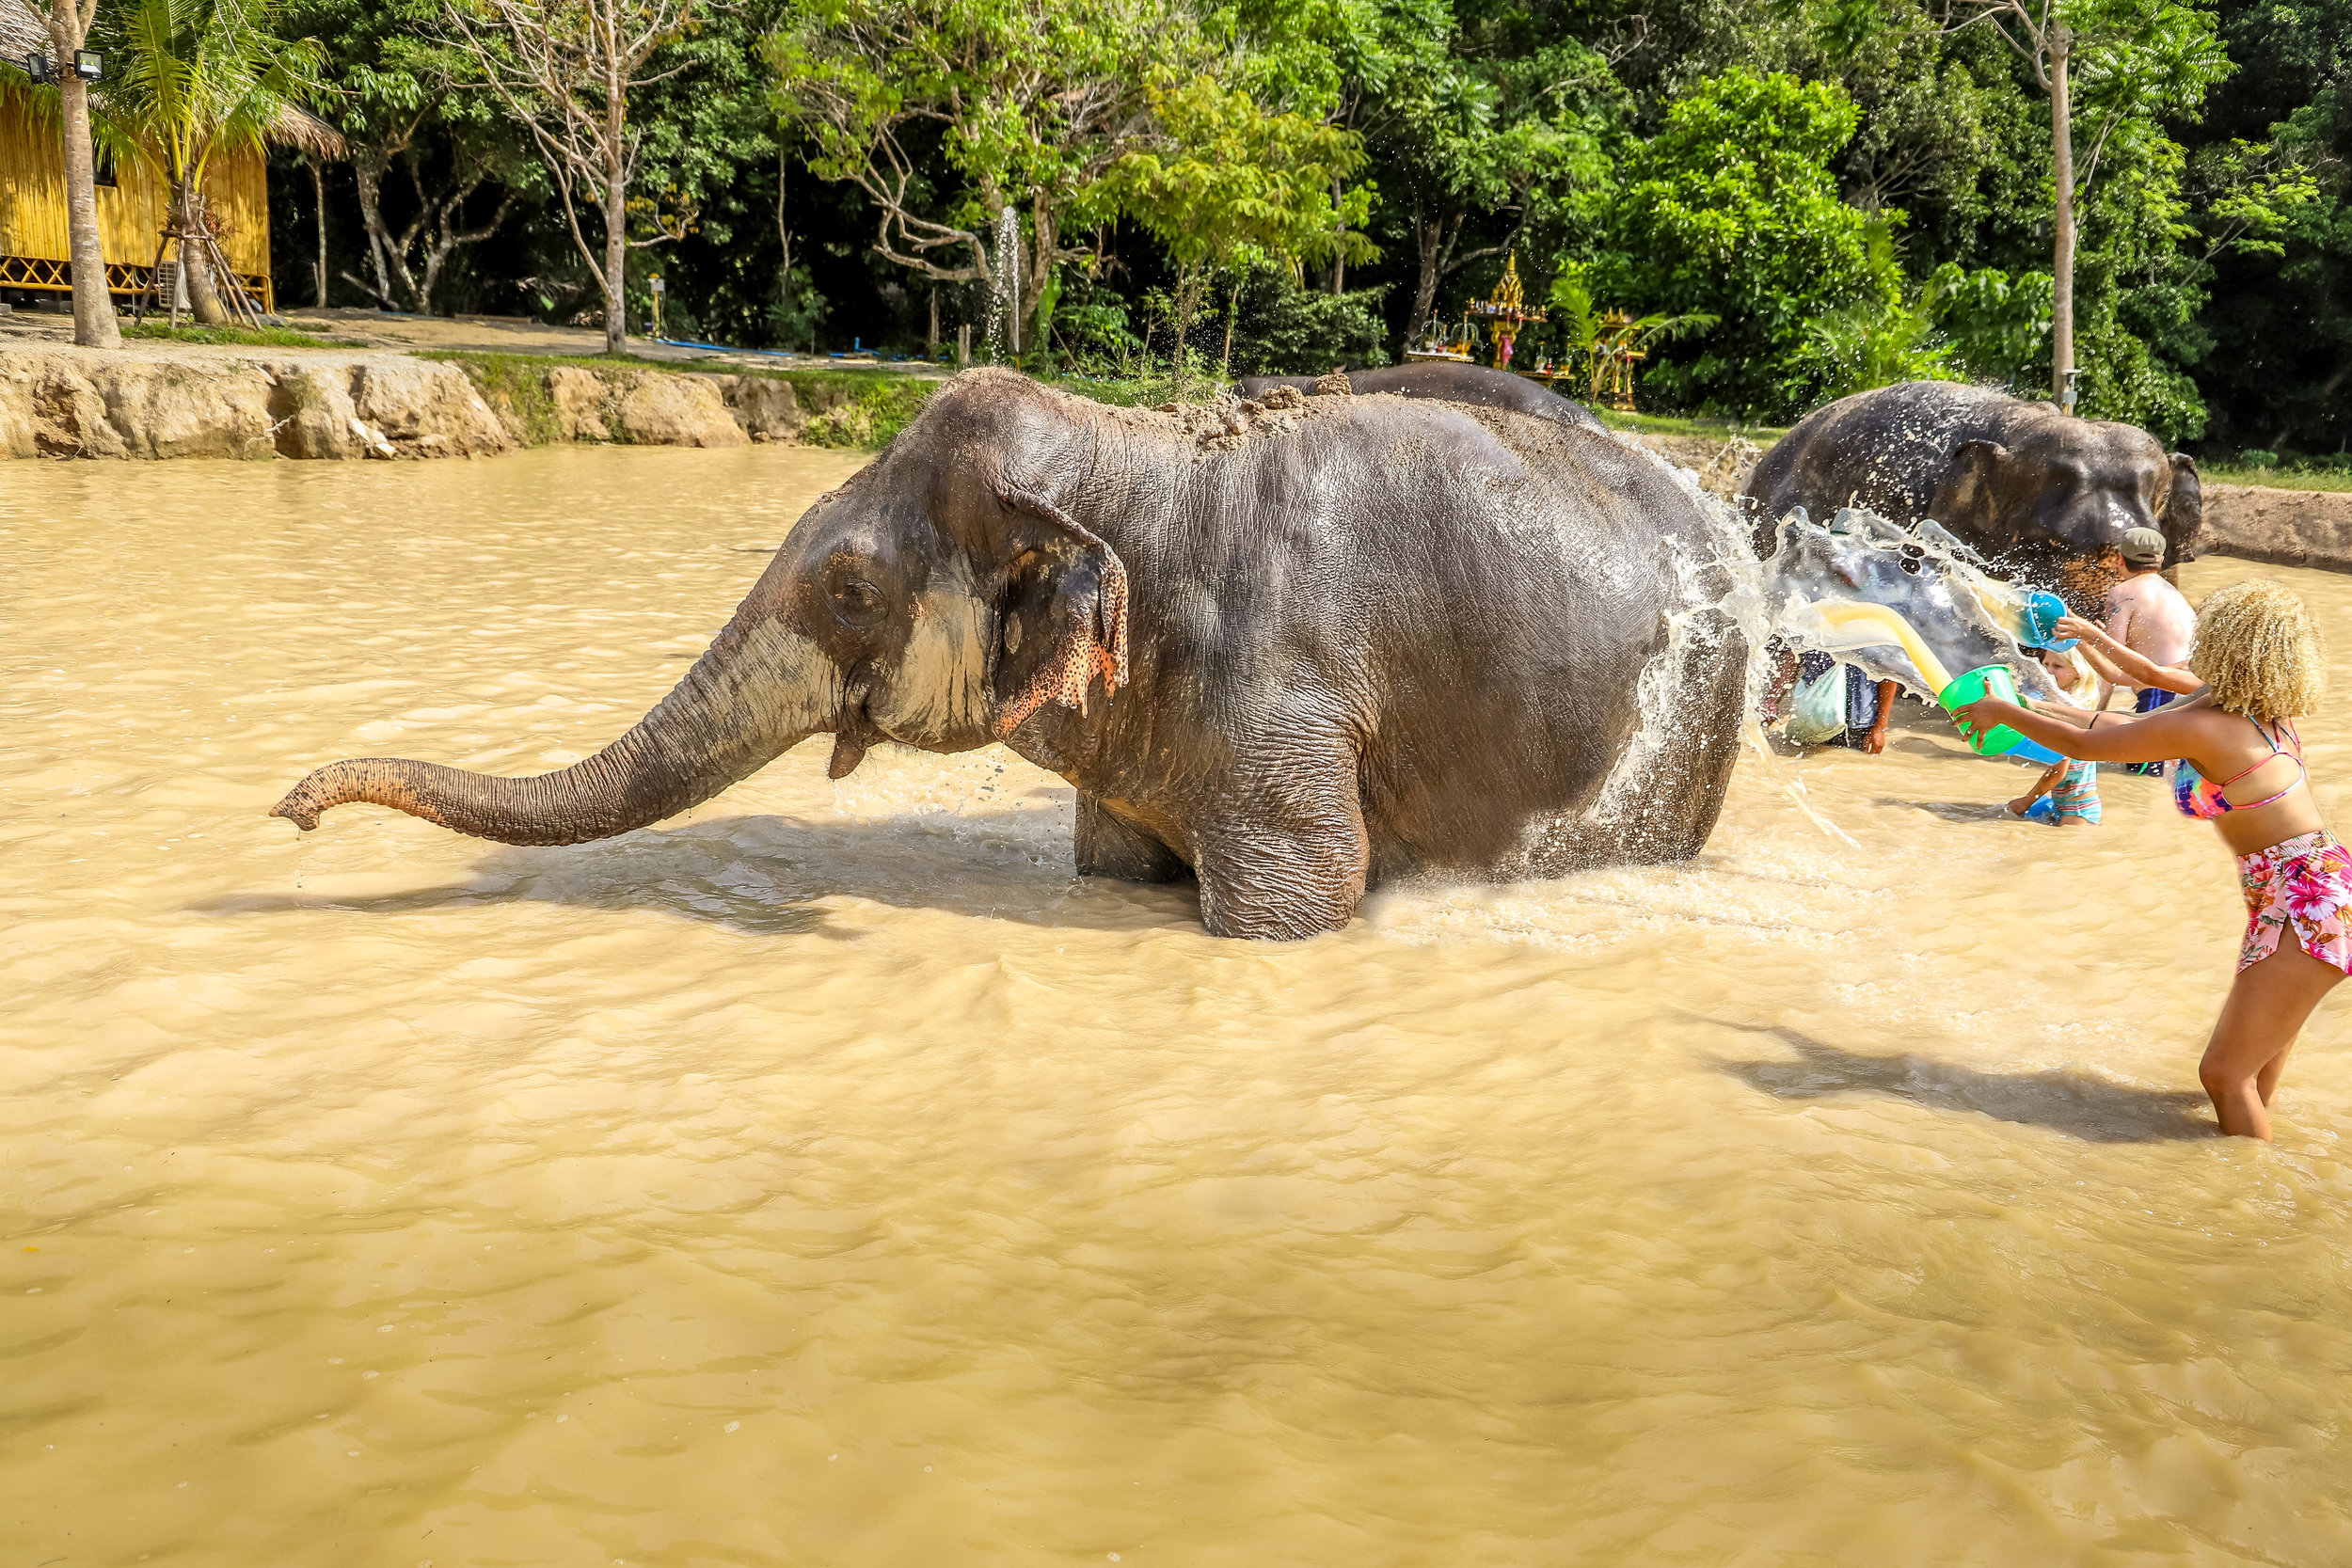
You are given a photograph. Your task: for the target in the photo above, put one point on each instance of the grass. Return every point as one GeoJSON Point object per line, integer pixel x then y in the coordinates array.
{"type": "Point", "coordinates": [2334, 479]}
{"type": "Point", "coordinates": [233, 337]}
{"type": "Point", "coordinates": [1676, 424]}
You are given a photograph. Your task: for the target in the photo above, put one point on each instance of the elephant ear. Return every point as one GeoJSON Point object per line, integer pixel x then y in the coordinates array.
{"type": "Point", "coordinates": [1965, 490]}
{"type": "Point", "coordinates": [2183, 519]}
{"type": "Point", "coordinates": [1064, 613]}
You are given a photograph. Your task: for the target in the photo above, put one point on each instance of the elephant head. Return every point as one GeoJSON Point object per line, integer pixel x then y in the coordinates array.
{"type": "Point", "coordinates": [2058, 493]}
{"type": "Point", "coordinates": [939, 599]}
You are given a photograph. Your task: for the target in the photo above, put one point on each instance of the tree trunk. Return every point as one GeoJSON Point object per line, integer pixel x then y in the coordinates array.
{"type": "Point", "coordinates": [1183, 309]}
{"type": "Point", "coordinates": [754, 694]}
{"type": "Point", "coordinates": [615, 233]}
{"type": "Point", "coordinates": [1429, 239]}
{"type": "Point", "coordinates": [1047, 235]}
{"type": "Point", "coordinates": [367, 171]}
{"type": "Point", "coordinates": [2062, 271]}
{"type": "Point", "coordinates": [1339, 257]}
{"type": "Point", "coordinates": [196, 266]}
{"type": "Point", "coordinates": [318, 193]}
{"type": "Point", "coordinates": [1232, 309]}
{"type": "Point", "coordinates": [93, 306]}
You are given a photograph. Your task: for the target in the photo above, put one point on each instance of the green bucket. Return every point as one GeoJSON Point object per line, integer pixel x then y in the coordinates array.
{"type": "Point", "coordinates": [1989, 680]}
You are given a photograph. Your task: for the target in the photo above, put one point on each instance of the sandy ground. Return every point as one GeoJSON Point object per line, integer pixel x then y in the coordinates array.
{"type": "Point", "coordinates": [23, 328]}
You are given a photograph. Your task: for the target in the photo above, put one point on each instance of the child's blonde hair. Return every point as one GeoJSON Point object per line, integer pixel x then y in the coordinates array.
{"type": "Point", "coordinates": [2081, 688]}
{"type": "Point", "coordinates": [2260, 648]}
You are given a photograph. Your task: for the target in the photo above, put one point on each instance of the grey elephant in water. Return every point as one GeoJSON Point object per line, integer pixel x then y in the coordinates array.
{"type": "Point", "coordinates": [1474, 386]}
{"type": "Point", "coordinates": [2036, 491]}
{"type": "Point", "coordinates": [1293, 648]}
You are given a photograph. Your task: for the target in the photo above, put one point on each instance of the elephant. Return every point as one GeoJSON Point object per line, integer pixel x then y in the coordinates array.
{"type": "Point", "coordinates": [1475, 385]}
{"type": "Point", "coordinates": [2036, 491]}
{"type": "Point", "coordinates": [1292, 649]}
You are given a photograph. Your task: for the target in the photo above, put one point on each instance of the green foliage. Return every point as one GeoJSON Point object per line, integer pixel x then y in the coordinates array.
{"type": "Point", "coordinates": [1998, 325]}
{"type": "Point", "coordinates": [1592, 338]}
{"type": "Point", "coordinates": [1234, 185]}
{"type": "Point", "coordinates": [1283, 328]}
{"type": "Point", "coordinates": [796, 312]}
{"type": "Point", "coordinates": [1734, 213]}
{"type": "Point", "coordinates": [190, 78]}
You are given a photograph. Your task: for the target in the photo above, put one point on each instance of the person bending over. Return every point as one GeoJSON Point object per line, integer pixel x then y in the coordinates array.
{"type": "Point", "coordinates": [2259, 651]}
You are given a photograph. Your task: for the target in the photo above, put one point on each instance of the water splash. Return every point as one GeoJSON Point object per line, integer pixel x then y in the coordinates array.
{"type": "Point", "coordinates": [1964, 615]}
{"type": "Point", "coordinates": [1004, 300]}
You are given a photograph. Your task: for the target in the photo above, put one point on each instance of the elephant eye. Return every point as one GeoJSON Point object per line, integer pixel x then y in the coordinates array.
{"type": "Point", "coordinates": [859, 598]}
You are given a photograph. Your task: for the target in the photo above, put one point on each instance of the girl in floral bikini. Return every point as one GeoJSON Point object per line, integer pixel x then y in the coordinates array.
{"type": "Point", "coordinates": [2260, 656]}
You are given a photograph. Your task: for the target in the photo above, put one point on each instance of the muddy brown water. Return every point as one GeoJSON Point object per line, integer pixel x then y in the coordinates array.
{"type": "Point", "coordinates": [828, 1176]}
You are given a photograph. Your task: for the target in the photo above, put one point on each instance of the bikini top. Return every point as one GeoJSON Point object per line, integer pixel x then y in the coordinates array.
{"type": "Point", "coordinates": [2200, 798]}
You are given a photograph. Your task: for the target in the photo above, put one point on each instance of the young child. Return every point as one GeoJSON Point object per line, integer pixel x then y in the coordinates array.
{"type": "Point", "coordinates": [2068, 793]}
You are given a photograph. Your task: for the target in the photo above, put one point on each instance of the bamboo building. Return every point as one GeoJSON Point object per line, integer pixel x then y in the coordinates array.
{"type": "Point", "coordinates": [133, 198]}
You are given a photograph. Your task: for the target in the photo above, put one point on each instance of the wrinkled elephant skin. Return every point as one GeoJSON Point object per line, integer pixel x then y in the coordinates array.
{"type": "Point", "coordinates": [1291, 650]}
{"type": "Point", "coordinates": [2038, 492]}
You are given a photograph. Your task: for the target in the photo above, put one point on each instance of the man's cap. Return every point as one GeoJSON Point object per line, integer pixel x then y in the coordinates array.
{"type": "Point", "coordinates": [2142, 546]}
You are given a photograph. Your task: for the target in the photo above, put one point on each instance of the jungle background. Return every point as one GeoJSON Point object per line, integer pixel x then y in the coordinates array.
{"type": "Point", "coordinates": [1808, 196]}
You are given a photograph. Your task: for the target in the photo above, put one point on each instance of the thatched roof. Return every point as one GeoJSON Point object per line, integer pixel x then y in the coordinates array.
{"type": "Point", "coordinates": [23, 32]}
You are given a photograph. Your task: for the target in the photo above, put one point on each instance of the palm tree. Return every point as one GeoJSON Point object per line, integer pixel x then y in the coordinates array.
{"type": "Point", "coordinates": [192, 78]}
{"type": "Point", "coordinates": [1603, 339]}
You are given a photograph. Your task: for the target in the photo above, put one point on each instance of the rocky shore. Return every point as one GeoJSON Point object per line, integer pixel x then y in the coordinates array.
{"type": "Point", "coordinates": [178, 402]}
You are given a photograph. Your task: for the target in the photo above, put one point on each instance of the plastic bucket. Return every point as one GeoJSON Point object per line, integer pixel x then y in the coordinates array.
{"type": "Point", "coordinates": [2043, 612]}
{"type": "Point", "coordinates": [1988, 680]}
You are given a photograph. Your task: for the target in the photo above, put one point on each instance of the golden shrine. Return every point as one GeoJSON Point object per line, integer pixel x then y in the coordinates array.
{"type": "Point", "coordinates": [1507, 309]}
{"type": "Point", "coordinates": [1613, 354]}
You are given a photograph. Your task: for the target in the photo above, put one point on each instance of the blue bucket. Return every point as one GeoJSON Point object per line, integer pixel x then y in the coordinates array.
{"type": "Point", "coordinates": [2043, 612]}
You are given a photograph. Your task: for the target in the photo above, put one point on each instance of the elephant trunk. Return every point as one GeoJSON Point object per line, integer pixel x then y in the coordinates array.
{"type": "Point", "coordinates": [759, 691]}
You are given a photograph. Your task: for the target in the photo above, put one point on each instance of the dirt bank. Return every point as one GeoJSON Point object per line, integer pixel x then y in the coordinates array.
{"type": "Point", "coordinates": [2291, 528]}
{"type": "Point", "coordinates": [176, 400]}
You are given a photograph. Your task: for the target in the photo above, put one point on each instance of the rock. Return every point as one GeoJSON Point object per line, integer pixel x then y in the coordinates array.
{"type": "Point", "coordinates": [183, 410]}
{"type": "Point", "coordinates": [768, 409]}
{"type": "Point", "coordinates": [2289, 528]}
{"type": "Point", "coordinates": [657, 410]}
{"type": "Point", "coordinates": [151, 402]}
{"type": "Point", "coordinates": [425, 408]}
{"type": "Point", "coordinates": [580, 401]}
{"type": "Point", "coordinates": [312, 405]}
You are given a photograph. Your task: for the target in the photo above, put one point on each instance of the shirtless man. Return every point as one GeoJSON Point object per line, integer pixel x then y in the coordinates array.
{"type": "Point", "coordinates": [2148, 615]}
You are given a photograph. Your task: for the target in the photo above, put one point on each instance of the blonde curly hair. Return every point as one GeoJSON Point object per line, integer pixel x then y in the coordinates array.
{"type": "Point", "coordinates": [2260, 648]}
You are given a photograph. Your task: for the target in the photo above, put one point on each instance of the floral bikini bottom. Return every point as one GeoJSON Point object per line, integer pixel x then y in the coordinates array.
{"type": "Point", "coordinates": [2301, 884]}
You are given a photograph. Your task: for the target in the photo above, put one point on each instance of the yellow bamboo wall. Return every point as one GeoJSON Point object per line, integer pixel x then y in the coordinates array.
{"type": "Point", "coordinates": [131, 214]}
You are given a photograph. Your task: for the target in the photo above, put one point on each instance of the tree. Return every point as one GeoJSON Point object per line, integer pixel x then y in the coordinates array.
{"type": "Point", "coordinates": [2140, 58]}
{"type": "Point", "coordinates": [69, 25]}
{"type": "Point", "coordinates": [565, 70]}
{"type": "Point", "coordinates": [194, 78]}
{"type": "Point", "coordinates": [1733, 210]}
{"type": "Point", "coordinates": [399, 102]}
{"type": "Point", "coordinates": [1596, 339]}
{"type": "Point", "coordinates": [1234, 184]}
{"type": "Point", "coordinates": [944, 114]}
